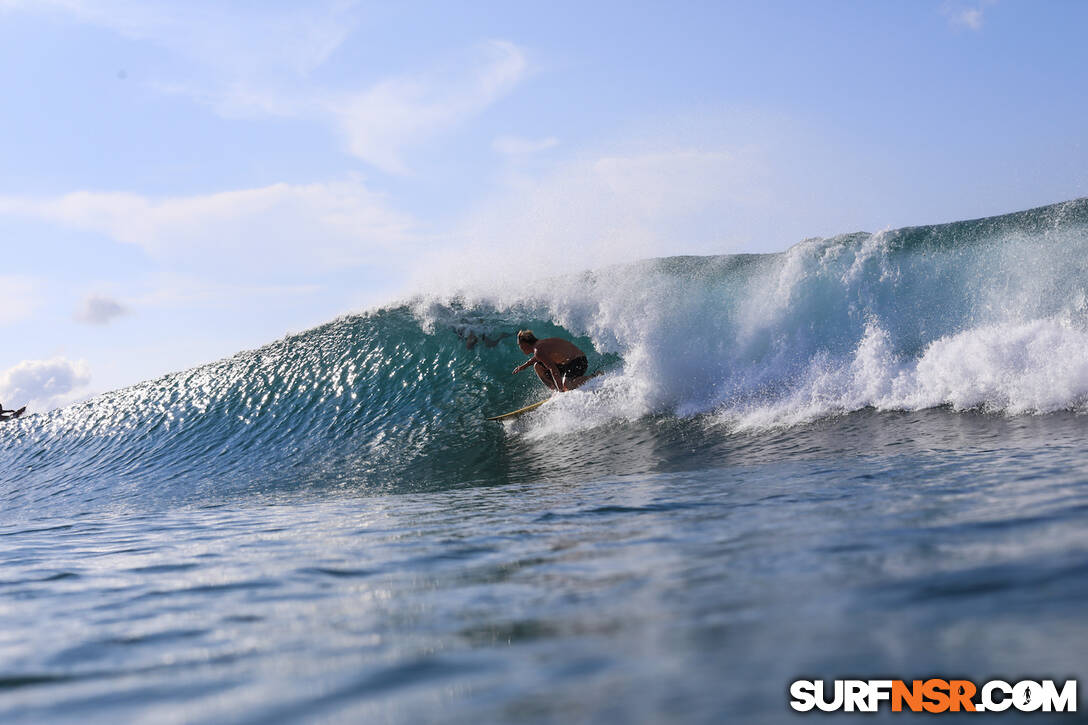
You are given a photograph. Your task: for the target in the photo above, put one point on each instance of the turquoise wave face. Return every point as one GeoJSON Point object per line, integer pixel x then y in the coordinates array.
{"type": "Point", "coordinates": [989, 314]}
{"type": "Point", "coordinates": [370, 400]}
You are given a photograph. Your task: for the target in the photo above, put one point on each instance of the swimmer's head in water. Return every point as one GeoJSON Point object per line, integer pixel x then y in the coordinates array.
{"type": "Point", "coordinates": [526, 340]}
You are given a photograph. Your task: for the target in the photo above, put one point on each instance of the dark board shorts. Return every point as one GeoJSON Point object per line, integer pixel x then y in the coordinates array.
{"type": "Point", "coordinates": [574, 368]}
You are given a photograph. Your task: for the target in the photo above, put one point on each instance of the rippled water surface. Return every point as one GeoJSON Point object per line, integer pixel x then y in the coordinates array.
{"type": "Point", "coordinates": [664, 572]}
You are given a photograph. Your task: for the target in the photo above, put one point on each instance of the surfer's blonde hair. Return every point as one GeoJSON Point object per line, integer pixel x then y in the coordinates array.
{"type": "Point", "coordinates": [526, 337]}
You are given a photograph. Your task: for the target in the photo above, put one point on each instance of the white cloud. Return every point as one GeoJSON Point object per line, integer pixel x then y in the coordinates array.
{"type": "Point", "coordinates": [99, 309]}
{"type": "Point", "coordinates": [255, 41]}
{"type": "Point", "coordinates": [21, 298]}
{"type": "Point", "coordinates": [378, 124]}
{"type": "Point", "coordinates": [381, 121]}
{"type": "Point", "coordinates": [971, 18]}
{"type": "Point", "coordinates": [283, 228]}
{"type": "Point", "coordinates": [964, 15]}
{"type": "Point", "coordinates": [583, 213]}
{"type": "Point", "coordinates": [260, 61]}
{"type": "Point", "coordinates": [43, 384]}
{"type": "Point", "coordinates": [517, 146]}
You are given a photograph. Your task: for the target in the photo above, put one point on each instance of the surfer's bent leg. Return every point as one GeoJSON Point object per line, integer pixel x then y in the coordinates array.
{"type": "Point", "coordinates": [545, 376]}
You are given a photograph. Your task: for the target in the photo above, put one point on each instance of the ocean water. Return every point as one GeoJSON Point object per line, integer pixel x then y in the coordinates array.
{"type": "Point", "coordinates": [862, 457]}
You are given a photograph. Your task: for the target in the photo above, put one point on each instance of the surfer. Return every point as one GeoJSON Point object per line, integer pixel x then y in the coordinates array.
{"type": "Point", "coordinates": [9, 414]}
{"type": "Point", "coordinates": [559, 364]}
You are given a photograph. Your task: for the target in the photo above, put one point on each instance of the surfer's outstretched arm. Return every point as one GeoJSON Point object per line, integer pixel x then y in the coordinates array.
{"type": "Point", "coordinates": [524, 365]}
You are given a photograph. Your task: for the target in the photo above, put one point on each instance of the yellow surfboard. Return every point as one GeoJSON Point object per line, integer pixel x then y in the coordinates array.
{"type": "Point", "coordinates": [534, 406]}
{"type": "Point", "coordinates": [519, 411]}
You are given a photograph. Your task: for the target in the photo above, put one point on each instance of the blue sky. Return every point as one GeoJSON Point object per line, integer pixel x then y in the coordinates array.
{"type": "Point", "coordinates": [183, 180]}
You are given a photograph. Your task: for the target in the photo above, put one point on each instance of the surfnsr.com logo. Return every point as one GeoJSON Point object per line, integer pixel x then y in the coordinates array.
{"type": "Point", "coordinates": [934, 696]}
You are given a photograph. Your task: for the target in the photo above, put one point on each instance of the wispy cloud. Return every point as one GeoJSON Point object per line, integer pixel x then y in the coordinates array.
{"type": "Point", "coordinates": [582, 213]}
{"type": "Point", "coordinates": [380, 122]}
{"type": "Point", "coordinates": [99, 309]}
{"type": "Point", "coordinates": [43, 384]}
{"type": "Point", "coordinates": [257, 40]}
{"type": "Point", "coordinates": [283, 228]}
{"type": "Point", "coordinates": [518, 146]}
{"type": "Point", "coordinates": [258, 62]}
{"type": "Point", "coordinates": [966, 15]}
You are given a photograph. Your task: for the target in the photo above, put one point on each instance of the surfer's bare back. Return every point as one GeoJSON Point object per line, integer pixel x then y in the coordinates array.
{"type": "Point", "coordinates": [559, 363]}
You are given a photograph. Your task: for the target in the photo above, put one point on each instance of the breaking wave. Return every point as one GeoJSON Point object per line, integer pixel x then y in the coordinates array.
{"type": "Point", "coordinates": [990, 314]}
